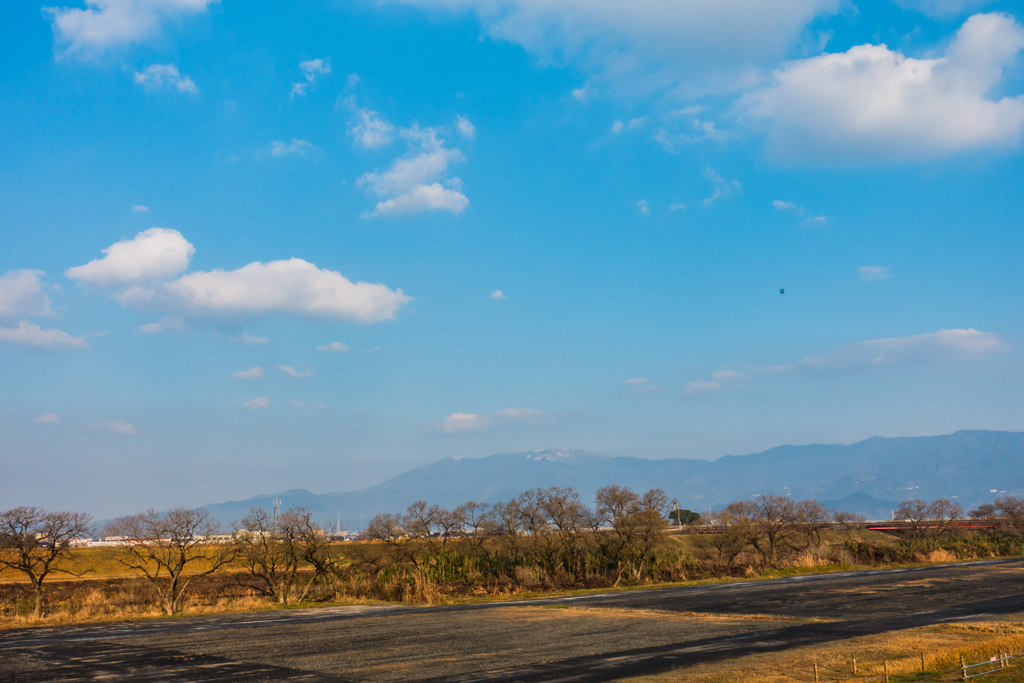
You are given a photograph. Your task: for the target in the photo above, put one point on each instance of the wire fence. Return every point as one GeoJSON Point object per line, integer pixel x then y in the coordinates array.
{"type": "Point", "coordinates": [824, 674]}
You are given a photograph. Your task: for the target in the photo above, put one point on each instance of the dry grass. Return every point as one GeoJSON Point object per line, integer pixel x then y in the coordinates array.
{"type": "Point", "coordinates": [943, 646]}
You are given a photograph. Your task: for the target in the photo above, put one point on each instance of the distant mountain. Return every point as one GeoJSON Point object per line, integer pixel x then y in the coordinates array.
{"type": "Point", "coordinates": [868, 477]}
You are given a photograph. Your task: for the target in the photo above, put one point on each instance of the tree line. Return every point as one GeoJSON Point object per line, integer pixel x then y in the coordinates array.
{"type": "Point", "coordinates": [540, 539]}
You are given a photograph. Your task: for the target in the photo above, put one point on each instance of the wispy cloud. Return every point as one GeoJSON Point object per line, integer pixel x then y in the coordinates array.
{"type": "Point", "coordinates": [420, 180]}
{"type": "Point", "coordinates": [311, 70]}
{"type": "Point", "coordinates": [723, 188]}
{"type": "Point", "coordinates": [31, 335]}
{"type": "Point", "coordinates": [106, 24]}
{"type": "Point", "coordinates": [498, 295]}
{"type": "Point", "coordinates": [168, 324]}
{"type": "Point", "coordinates": [48, 418]}
{"type": "Point", "coordinates": [873, 273]}
{"type": "Point", "coordinates": [942, 347]}
{"type": "Point", "coordinates": [256, 403]}
{"type": "Point", "coordinates": [160, 76]}
{"type": "Point", "coordinates": [333, 347]}
{"type": "Point", "coordinates": [21, 294]}
{"type": "Point", "coordinates": [700, 389]}
{"type": "Point", "coordinates": [115, 427]}
{"type": "Point", "coordinates": [251, 374]}
{"type": "Point", "coordinates": [296, 147]}
{"type": "Point", "coordinates": [246, 338]}
{"type": "Point", "coordinates": [469, 422]}
{"type": "Point", "coordinates": [139, 208]}
{"type": "Point", "coordinates": [293, 373]}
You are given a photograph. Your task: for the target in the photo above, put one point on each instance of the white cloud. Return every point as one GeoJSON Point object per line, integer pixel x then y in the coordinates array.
{"type": "Point", "coordinates": [317, 406]}
{"type": "Point", "coordinates": [116, 427]}
{"type": "Point", "coordinates": [423, 198]}
{"type": "Point", "coordinates": [48, 418]}
{"type": "Point", "coordinates": [246, 338]}
{"type": "Point", "coordinates": [498, 295]}
{"type": "Point", "coordinates": [581, 94]}
{"type": "Point", "coordinates": [294, 404]}
{"type": "Point", "coordinates": [21, 294]}
{"type": "Point", "coordinates": [642, 385]}
{"type": "Point", "coordinates": [468, 422]}
{"type": "Point", "coordinates": [784, 206]}
{"type": "Point", "coordinates": [139, 208]}
{"type": "Point", "coordinates": [31, 335]}
{"type": "Point", "coordinates": [311, 70]}
{"type": "Point", "coordinates": [256, 403]}
{"type": "Point", "coordinates": [701, 389]}
{"type": "Point", "coordinates": [676, 206]}
{"type": "Point", "coordinates": [642, 207]}
{"type": "Point", "coordinates": [370, 131]}
{"type": "Point", "coordinates": [157, 76]}
{"type": "Point", "coordinates": [169, 324]}
{"type": "Point", "coordinates": [648, 45]}
{"type": "Point", "coordinates": [153, 254]}
{"type": "Point", "coordinates": [334, 347]}
{"type": "Point", "coordinates": [465, 127]}
{"type": "Point", "coordinates": [617, 127]}
{"type": "Point", "coordinates": [935, 347]}
{"type": "Point", "coordinates": [298, 147]}
{"type": "Point", "coordinates": [293, 373]}
{"type": "Point", "coordinates": [294, 287]}
{"type": "Point", "coordinates": [817, 220]}
{"type": "Point", "coordinates": [874, 105]}
{"type": "Point", "coordinates": [413, 180]}
{"type": "Point", "coordinates": [104, 24]}
{"type": "Point", "coordinates": [252, 374]}
{"type": "Point", "coordinates": [874, 273]}
{"type": "Point", "coordinates": [636, 123]}
{"type": "Point", "coordinates": [723, 188]}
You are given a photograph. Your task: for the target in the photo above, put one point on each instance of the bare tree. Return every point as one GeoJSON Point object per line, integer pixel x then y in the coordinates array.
{"type": "Point", "coordinates": [315, 547]}
{"type": "Point", "coordinates": [772, 521]}
{"type": "Point", "coordinates": [34, 541]}
{"type": "Point", "coordinates": [170, 549]}
{"type": "Point", "coordinates": [269, 552]}
{"type": "Point", "coordinates": [985, 511]}
{"type": "Point", "coordinates": [916, 512]}
{"type": "Point", "coordinates": [1012, 510]}
{"type": "Point", "coordinates": [850, 524]}
{"type": "Point", "coordinates": [638, 525]}
{"type": "Point", "coordinates": [944, 514]}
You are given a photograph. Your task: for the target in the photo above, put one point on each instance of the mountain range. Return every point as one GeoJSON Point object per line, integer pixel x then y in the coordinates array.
{"type": "Point", "coordinates": [869, 477]}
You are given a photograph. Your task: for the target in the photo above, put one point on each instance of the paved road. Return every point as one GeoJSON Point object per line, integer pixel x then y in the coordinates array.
{"type": "Point", "coordinates": [596, 637]}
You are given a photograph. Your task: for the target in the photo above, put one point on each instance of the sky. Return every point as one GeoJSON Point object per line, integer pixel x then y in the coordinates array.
{"type": "Point", "coordinates": [249, 247]}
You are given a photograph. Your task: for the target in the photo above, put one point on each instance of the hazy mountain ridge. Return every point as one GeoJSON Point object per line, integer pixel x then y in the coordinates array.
{"type": "Point", "coordinates": [868, 476]}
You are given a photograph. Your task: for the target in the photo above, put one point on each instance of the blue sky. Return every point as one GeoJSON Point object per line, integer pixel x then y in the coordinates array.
{"type": "Point", "coordinates": [257, 246]}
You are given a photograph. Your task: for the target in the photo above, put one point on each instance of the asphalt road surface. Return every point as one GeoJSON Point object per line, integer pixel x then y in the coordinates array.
{"type": "Point", "coordinates": [598, 637]}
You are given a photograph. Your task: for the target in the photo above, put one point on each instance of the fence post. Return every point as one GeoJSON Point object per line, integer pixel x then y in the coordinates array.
{"type": "Point", "coordinates": [885, 666]}
{"type": "Point", "coordinates": [855, 665]}
{"type": "Point", "coordinates": [815, 672]}
{"type": "Point", "coordinates": [922, 661]}
{"type": "Point", "coordinates": [963, 667]}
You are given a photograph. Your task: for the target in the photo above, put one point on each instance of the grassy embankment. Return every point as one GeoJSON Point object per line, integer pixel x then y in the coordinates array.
{"type": "Point", "coordinates": [942, 645]}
